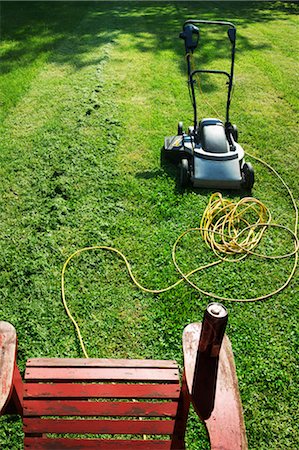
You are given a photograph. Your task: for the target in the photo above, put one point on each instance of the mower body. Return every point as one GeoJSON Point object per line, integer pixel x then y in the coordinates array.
{"type": "Point", "coordinates": [209, 155]}
{"type": "Point", "coordinates": [210, 162]}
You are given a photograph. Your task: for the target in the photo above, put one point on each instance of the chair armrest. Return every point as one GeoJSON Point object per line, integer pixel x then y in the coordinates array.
{"type": "Point", "coordinates": [225, 425]}
{"type": "Point", "coordinates": [8, 349]}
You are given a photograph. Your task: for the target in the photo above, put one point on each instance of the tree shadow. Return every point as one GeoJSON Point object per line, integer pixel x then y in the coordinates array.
{"type": "Point", "coordinates": [29, 29]}
{"type": "Point", "coordinates": [67, 31]}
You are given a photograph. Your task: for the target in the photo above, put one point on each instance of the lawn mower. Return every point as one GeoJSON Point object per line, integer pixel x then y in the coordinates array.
{"type": "Point", "coordinates": [208, 155]}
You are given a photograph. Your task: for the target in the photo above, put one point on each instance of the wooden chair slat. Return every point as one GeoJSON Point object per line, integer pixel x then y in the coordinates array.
{"type": "Point", "coordinates": [96, 374]}
{"type": "Point", "coordinates": [73, 391]}
{"type": "Point", "coordinates": [98, 362]}
{"type": "Point", "coordinates": [95, 444]}
{"type": "Point", "coordinates": [95, 426]}
{"type": "Point", "coordinates": [87, 408]}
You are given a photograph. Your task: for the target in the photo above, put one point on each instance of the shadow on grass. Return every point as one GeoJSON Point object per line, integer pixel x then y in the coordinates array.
{"type": "Point", "coordinates": [171, 169]}
{"type": "Point", "coordinates": [31, 28]}
{"type": "Point", "coordinates": [65, 33]}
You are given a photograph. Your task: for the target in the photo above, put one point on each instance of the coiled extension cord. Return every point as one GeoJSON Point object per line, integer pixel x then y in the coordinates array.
{"type": "Point", "coordinates": [227, 229]}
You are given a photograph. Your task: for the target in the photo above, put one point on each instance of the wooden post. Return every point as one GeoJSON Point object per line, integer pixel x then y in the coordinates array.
{"type": "Point", "coordinates": [206, 366]}
{"type": "Point", "coordinates": [202, 365]}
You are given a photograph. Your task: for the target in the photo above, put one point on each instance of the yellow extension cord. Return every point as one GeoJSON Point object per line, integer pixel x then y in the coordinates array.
{"type": "Point", "coordinates": [226, 229]}
{"type": "Point", "coordinates": [221, 218]}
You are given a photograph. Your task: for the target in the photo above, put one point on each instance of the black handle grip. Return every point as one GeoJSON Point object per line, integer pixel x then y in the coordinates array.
{"type": "Point", "coordinates": [190, 34]}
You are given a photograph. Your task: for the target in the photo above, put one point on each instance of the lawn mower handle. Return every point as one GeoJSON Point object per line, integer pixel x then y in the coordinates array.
{"type": "Point", "coordinates": [232, 37]}
{"type": "Point", "coordinates": [210, 22]}
{"type": "Point", "coordinates": [191, 78]}
{"type": "Point", "coordinates": [231, 32]}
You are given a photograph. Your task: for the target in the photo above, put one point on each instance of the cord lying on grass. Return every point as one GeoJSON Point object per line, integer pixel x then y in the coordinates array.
{"type": "Point", "coordinates": [232, 230]}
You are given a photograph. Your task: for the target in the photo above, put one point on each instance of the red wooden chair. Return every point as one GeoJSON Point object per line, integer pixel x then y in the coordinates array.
{"type": "Point", "coordinates": [126, 404]}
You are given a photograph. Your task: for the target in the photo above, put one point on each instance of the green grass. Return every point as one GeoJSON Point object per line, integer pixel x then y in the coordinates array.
{"type": "Point", "coordinates": [88, 92]}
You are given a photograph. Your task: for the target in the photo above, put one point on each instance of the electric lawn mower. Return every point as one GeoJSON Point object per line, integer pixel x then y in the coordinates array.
{"type": "Point", "coordinates": [209, 154]}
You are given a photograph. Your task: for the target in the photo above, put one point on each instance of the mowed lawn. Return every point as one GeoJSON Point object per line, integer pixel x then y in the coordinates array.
{"type": "Point", "coordinates": [88, 92]}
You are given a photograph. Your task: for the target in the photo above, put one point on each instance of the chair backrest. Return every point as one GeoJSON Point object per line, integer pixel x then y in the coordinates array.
{"type": "Point", "coordinates": [138, 399]}
{"type": "Point", "coordinates": [126, 404]}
